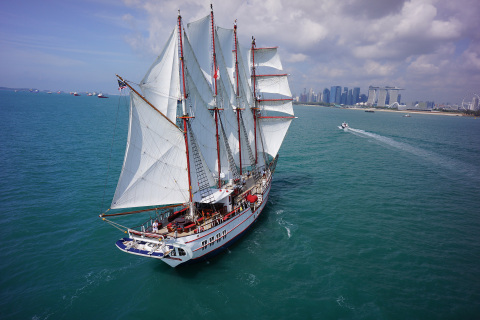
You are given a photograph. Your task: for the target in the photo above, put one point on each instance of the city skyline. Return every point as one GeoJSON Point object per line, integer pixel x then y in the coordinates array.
{"type": "Point", "coordinates": [431, 48]}
{"type": "Point", "coordinates": [344, 95]}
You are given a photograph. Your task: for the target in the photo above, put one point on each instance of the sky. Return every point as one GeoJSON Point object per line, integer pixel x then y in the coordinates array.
{"type": "Point", "coordinates": [431, 48]}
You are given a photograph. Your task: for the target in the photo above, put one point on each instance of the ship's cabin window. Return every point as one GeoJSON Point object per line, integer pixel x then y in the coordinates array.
{"type": "Point", "coordinates": [181, 252]}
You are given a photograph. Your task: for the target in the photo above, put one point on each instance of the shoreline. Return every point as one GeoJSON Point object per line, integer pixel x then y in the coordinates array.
{"type": "Point", "coordinates": [452, 114]}
{"type": "Point", "coordinates": [441, 113]}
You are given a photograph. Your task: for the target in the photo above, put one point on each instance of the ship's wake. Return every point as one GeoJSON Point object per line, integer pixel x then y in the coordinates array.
{"type": "Point", "coordinates": [430, 157]}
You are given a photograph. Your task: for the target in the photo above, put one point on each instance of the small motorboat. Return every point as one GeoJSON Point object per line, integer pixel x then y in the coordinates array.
{"type": "Point", "coordinates": [407, 115]}
{"type": "Point", "coordinates": [344, 126]}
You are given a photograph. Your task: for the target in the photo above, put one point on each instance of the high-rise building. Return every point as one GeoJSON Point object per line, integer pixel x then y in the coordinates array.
{"type": "Point", "coordinates": [356, 95]}
{"type": "Point", "coordinates": [350, 97]}
{"type": "Point", "coordinates": [338, 94]}
{"type": "Point", "coordinates": [335, 94]}
{"type": "Point", "coordinates": [343, 98]}
{"type": "Point", "coordinates": [393, 96]}
{"type": "Point", "coordinates": [310, 95]}
{"type": "Point", "coordinates": [371, 95]}
{"type": "Point", "coordinates": [326, 95]}
{"type": "Point", "coordinates": [382, 97]}
{"type": "Point", "coordinates": [475, 103]}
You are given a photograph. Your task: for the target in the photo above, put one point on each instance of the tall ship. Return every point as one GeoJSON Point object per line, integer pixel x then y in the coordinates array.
{"type": "Point", "coordinates": [205, 128]}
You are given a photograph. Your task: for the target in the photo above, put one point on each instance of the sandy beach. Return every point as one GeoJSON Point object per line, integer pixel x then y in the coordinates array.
{"type": "Point", "coordinates": [451, 114]}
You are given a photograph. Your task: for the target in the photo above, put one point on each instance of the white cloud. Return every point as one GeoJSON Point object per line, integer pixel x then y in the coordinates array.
{"type": "Point", "coordinates": [423, 66]}
{"type": "Point", "coordinates": [374, 68]}
{"type": "Point", "coordinates": [296, 57]}
{"type": "Point", "coordinates": [356, 41]}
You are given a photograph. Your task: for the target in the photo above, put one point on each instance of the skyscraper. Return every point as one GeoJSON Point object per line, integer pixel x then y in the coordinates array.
{"type": "Point", "coordinates": [350, 97]}
{"type": "Point", "coordinates": [356, 95]}
{"type": "Point", "coordinates": [338, 94]}
{"type": "Point", "coordinates": [475, 103]}
{"type": "Point", "coordinates": [371, 95]}
{"type": "Point", "coordinates": [326, 95]}
{"type": "Point", "coordinates": [335, 94]}
{"type": "Point", "coordinates": [382, 97]}
{"type": "Point", "coordinates": [343, 99]}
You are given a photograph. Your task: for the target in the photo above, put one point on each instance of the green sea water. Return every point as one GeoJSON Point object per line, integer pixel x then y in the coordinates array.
{"type": "Point", "coordinates": [378, 222]}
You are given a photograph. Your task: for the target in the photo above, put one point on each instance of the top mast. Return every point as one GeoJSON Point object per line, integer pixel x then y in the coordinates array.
{"type": "Point", "coordinates": [238, 98]}
{"type": "Point", "coordinates": [215, 76]}
{"type": "Point", "coordinates": [215, 71]}
{"type": "Point", "coordinates": [254, 109]}
{"type": "Point", "coordinates": [184, 109]}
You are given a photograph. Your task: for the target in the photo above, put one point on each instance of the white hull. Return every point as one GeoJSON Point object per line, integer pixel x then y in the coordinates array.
{"type": "Point", "coordinates": [197, 247]}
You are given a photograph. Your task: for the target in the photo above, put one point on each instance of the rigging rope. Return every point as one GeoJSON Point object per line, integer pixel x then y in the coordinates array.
{"type": "Point", "coordinates": [111, 151]}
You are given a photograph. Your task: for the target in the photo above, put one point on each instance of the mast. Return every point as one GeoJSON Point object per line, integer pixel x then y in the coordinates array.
{"type": "Point", "coordinates": [215, 76]}
{"type": "Point", "coordinates": [185, 115]}
{"type": "Point", "coordinates": [238, 98]}
{"type": "Point", "coordinates": [254, 109]}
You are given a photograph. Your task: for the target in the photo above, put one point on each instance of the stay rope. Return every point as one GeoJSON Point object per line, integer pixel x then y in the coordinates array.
{"type": "Point", "coordinates": [111, 151]}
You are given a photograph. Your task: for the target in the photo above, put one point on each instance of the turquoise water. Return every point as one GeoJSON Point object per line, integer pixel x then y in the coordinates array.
{"type": "Point", "coordinates": [379, 222]}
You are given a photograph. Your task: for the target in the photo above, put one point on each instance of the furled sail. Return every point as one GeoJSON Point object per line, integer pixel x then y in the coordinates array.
{"type": "Point", "coordinates": [161, 84]}
{"type": "Point", "coordinates": [154, 169]}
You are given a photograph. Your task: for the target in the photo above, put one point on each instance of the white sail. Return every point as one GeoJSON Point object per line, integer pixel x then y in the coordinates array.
{"type": "Point", "coordinates": [200, 37]}
{"type": "Point", "coordinates": [161, 83]}
{"type": "Point", "coordinates": [267, 57]}
{"type": "Point", "coordinates": [273, 84]}
{"type": "Point", "coordinates": [278, 105]}
{"type": "Point", "coordinates": [226, 41]}
{"type": "Point", "coordinates": [154, 169]}
{"type": "Point", "coordinates": [226, 93]}
{"type": "Point", "coordinates": [273, 132]}
{"type": "Point", "coordinates": [245, 74]}
{"type": "Point", "coordinates": [155, 165]}
{"type": "Point", "coordinates": [203, 127]}
{"type": "Point", "coordinates": [246, 102]}
{"type": "Point", "coordinates": [198, 76]}
{"type": "Point", "coordinates": [190, 170]}
{"type": "Point", "coordinates": [200, 100]}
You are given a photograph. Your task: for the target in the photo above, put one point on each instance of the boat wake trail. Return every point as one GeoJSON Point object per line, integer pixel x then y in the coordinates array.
{"type": "Point", "coordinates": [429, 156]}
{"type": "Point", "coordinates": [287, 225]}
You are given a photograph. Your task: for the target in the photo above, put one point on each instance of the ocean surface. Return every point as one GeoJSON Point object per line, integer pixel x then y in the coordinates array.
{"type": "Point", "coordinates": [377, 222]}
